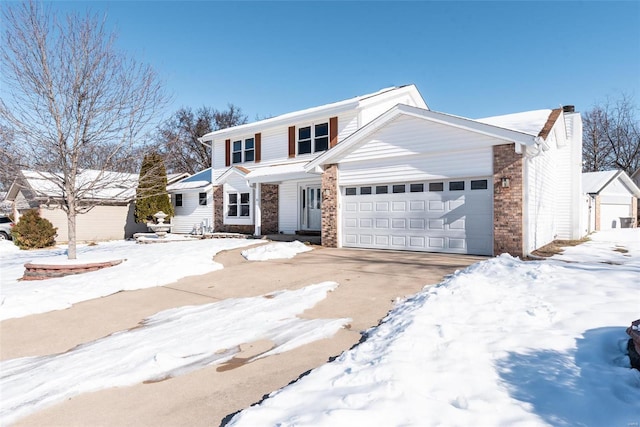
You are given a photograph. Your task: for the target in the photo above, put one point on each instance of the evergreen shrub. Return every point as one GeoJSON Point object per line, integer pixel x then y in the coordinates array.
{"type": "Point", "coordinates": [34, 232]}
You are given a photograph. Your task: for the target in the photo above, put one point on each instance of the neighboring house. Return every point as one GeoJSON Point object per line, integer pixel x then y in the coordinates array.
{"type": "Point", "coordinates": [113, 217]}
{"type": "Point", "coordinates": [382, 171]}
{"type": "Point", "coordinates": [636, 179]}
{"type": "Point", "coordinates": [611, 200]}
{"type": "Point", "coordinates": [192, 198]}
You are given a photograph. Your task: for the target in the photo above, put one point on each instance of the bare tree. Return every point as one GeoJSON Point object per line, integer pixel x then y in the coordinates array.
{"type": "Point", "coordinates": [178, 136]}
{"type": "Point", "coordinates": [611, 137]}
{"type": "Point", "coordinates": [72, 95]}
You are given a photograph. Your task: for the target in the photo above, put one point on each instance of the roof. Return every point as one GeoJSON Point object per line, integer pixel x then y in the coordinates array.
{"type": "Point", "coordinates": [503, 133]}
{"type": "Point", "coordinates": [535, 123]}
{"type": "Point", "coordinates": [108, 186]}
{"type": "Point", "coordinates": [595, 182]}
{"type": "Point", "coordinates": [197, 181]}
{"type": "Point", "coordinates": [309, 113]}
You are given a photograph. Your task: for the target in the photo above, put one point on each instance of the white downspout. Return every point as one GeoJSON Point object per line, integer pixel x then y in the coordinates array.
{"type": "Point", "coordinates": [257, 213]}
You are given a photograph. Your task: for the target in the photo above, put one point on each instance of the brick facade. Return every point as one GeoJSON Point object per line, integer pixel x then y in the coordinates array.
{"type": "Point", "coordinates": [508, 207]}
{"type": "Point", "coordinates": [218, 215]}
{"type": "Point", "coordinates": [329, 231]}
{"type": "Point", "coordinates": [269, 203]}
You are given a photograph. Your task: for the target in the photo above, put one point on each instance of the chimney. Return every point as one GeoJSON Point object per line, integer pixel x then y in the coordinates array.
{"type": "Point", "coordinates": [568, 109]}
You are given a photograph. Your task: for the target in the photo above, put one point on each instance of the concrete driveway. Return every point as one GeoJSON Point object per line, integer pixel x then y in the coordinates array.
{"type": "Point", "coordinates": [370, 282]}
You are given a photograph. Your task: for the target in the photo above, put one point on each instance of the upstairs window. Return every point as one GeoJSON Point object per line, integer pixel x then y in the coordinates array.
{"type": "Point", "coordinates": [313, 139]}
{"type": "Point", "coordinates": [243, 151]}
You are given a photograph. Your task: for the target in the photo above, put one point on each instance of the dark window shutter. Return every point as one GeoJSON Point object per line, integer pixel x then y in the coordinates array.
{"type": "Point", "coordinates": [258, 146]}
{"type": "Point", "coordinates": [292, 141]}
{"type": "Point", "coordinates": [227, 152]}
{"type": "Point", "coordinates": [333, 132]}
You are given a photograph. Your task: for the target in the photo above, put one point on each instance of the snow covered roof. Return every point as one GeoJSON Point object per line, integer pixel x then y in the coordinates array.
{"type": "Point", "coordinates": [595, 182]}
{"type": "Point", "coordinates": [307, 114]}
{"type": "Point", "coordinates": [278, 173]}
{"type": "Point", "coordinates": [197, 181]}
{"type": "Point", "coordinates": [529, 122]}
{"type": "Point", "coordinates": [92, 184]}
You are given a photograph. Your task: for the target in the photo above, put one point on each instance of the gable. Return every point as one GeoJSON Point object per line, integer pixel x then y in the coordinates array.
{"type": "Point", "coordinates": [411, 136]}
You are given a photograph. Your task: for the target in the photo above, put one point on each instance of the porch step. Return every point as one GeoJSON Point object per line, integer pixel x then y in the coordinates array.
{"type": "Point", "coordinates": [308, 233]}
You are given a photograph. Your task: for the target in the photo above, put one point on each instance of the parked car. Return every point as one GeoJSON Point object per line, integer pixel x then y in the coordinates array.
{"type": "Point", "coordinates": [5, 227]}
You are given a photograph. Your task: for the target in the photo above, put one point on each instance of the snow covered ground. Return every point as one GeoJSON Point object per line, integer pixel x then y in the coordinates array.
{"type": "Point", "coordinates": [147, 265]}
{"type": "Point", "coordinates": [503, 342]}
{"type": "Point", "coordinates": [275, 250]}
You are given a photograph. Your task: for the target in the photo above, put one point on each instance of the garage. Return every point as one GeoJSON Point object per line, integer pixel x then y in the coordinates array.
{"type": "Point", "coordinates": [451, 216]}
{"type": "Point", "coordinates": [611, 202]}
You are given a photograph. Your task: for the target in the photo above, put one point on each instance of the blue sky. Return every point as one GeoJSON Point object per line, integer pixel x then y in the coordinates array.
{"type": "Point", "coordinates": [473, 59]}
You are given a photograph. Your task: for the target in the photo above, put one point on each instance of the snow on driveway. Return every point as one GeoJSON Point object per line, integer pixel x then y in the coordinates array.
{"type": "Point", "coordinates": [503, 342]}
{"type": "Point", "coordinates": [275, 250]}
{"type": "Point", "coordinates": [170, 343]}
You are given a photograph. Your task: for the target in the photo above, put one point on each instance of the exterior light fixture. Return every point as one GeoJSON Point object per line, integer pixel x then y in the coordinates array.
{"type": "Point", "coordinates": [505, 182]}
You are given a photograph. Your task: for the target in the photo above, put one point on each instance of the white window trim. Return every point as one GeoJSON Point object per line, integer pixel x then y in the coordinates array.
{"type": "Point", "coordinates": [238, 220]}
{"type": "Point", "coordinates": [313, 138]}
{"type": "Point", "coordinates": [243, 150]}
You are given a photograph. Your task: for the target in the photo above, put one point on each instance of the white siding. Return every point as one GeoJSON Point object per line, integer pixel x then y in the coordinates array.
{"type": "Point", "coordinates": [470, 163]}
{"type": "Point", "coordinates": [288, 211]}
{"type": "Point", "coordinates": [274, 147]}
{"type": "Point", "coordinates": [191, 215]}
{"type": "Point", "coordinates": [409, 136]}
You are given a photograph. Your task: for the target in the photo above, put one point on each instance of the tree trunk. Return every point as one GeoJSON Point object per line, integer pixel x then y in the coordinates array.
{"type": "Point", "coordinates": [71, 227]}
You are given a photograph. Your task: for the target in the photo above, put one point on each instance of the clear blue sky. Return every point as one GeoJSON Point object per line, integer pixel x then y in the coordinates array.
{"type": "Point", "coordinates": [473, 59]}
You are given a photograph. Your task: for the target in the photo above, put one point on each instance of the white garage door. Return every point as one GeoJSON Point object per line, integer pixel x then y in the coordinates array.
{"type": "Point", "coordinates": [453, 216]}
{"type": "Point", "coordinates": [611, 214]}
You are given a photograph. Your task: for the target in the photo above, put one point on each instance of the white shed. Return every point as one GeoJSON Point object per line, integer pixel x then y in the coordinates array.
{"type": "Point", "coordinates": [611, 201]}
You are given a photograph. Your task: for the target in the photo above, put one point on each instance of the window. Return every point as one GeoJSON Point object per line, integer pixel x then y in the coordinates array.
{"type": "Point", "coordinates": [321, 142]}
{"type": "Point", "coordinates": [237, 152]}
{"type": "Point", "coordinates": [365, 190]}
{"type": "Point", "coordinates": [202, 199]}
{"type": "Point", "coordinates": [238, 205]}
{"type": "Point", "coordinates": [243, 151]}
{"type": "Point", "coordinates": [416, 188]}
{"type": "Point", "coordinates": [436, 186]}
{"type": "Point", "coordinates": [398, 188]}
{"type": "Point", "coordinates": [313, 139]}
{"type": "Point", "coordinates": [382, 189]}
{"type": "Point", "coordinates": [456, 186]}
{"type": "Point", "coordinates": [178, 199]}
{"type": "Point", "coordinates": [351, 191]}
{"type": "Point", "coordinates": [480, 184]}
{"type": "Point", "coordinates": [249, 150]}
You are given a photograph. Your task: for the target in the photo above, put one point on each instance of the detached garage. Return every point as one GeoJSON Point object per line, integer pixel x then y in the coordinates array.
{"type": "Point", "coordinates": [611, 202]}
{"type": "Point", "coordinates": [415, 179]}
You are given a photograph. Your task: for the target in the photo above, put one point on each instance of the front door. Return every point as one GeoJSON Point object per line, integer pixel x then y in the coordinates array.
{"type": "Point", "coordinates": [311, 208]}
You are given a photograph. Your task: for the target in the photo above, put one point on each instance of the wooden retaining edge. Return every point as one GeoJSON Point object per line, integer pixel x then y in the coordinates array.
{"type": "Point", "coordinates": [47, 271]}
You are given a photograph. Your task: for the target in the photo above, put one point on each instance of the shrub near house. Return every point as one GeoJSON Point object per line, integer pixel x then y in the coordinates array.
{"type": "Point", "coordinates": [34, 232]}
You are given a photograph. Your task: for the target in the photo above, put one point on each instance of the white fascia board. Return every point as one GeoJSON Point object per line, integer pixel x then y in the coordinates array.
{"type": "Point", "coordinates": [510, 136]}
{"type": "Point", "coordinates": [629, 182]}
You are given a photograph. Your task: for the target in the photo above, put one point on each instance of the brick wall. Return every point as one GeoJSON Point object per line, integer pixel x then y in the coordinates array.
{"type": "Point", "coordinates": [508, 205]}
{"type": "Point", "coordinates": [330, 207]}
{"type": "Point", "coordinates": [218, 216]}
{"type": "Point", "coordinates": [269, 203]}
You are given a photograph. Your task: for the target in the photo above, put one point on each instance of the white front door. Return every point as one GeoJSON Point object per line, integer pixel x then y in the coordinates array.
{"type": "Point", "coordinates": [311, 208]}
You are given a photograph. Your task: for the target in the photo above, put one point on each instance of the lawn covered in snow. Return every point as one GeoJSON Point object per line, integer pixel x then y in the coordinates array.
{"type": "Point", "coordinates": [146, 265]}
{"type": "Point", "coordinates": [503, 342]}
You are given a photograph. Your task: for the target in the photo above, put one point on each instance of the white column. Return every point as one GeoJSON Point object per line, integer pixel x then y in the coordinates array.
{"type": "Point", "coordinates": [257, 212]}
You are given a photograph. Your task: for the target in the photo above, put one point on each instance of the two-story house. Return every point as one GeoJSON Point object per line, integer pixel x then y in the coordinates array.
{"type": "Point", "coordinates": [383, 171]}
